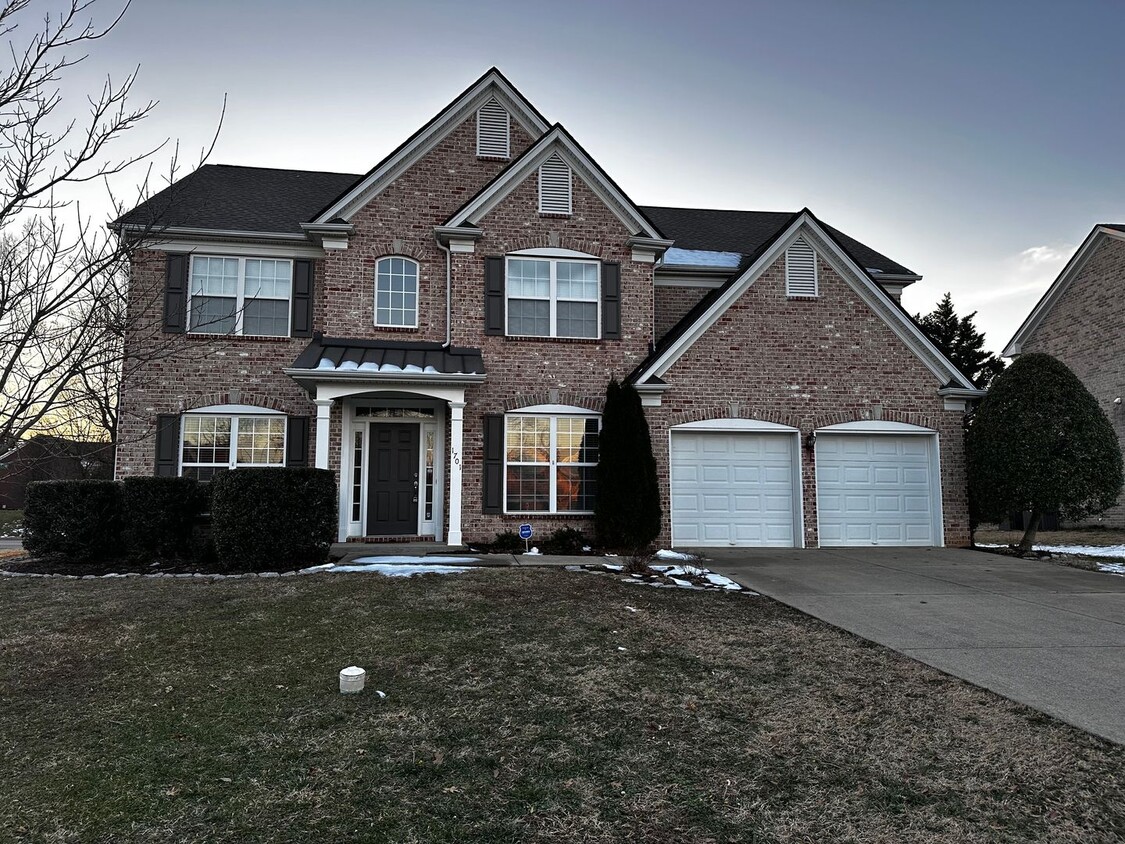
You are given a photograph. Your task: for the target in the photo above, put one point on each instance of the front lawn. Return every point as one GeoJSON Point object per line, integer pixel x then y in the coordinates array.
{"type": "Point", "coordinates": [11, 523]}
{"type": "Point", "coordinates": [522, 705]}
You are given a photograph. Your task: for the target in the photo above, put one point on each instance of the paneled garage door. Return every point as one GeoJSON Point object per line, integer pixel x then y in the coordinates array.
{"type": "Point", "coordinates": [876, 489]}
{"type": "Point", "coordinates": [733, 489]}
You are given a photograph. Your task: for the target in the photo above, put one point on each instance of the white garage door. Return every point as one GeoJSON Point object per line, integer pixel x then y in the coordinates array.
{"type": "Point", "coordinates": [876, 489]}
{"type": "Point", "coordinates": [733, 489]}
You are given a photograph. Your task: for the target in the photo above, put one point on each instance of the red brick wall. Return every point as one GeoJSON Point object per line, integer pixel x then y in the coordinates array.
{"type": "Point", "coordinates": [400, 221]}
{"type": "Point", "coordinates": [522, 372]}
{"type": "Point", "coordinates": [171, 373]}
{"type": "Point", "coordinates": [671, 304]}
{"type": "Point", "coordinates": [1082, 329]}
{"type": "Point", "coordinates": [808, 363]}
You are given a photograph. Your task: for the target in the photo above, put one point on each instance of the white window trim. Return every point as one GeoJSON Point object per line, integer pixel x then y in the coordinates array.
{"type": "Point", "coordinates": [417, 292]}
{"type": "Point", "coordinates": [553, 298]}
{"type": "Point", "coordinates": [232, 462]}
{"type": "Point", "coordinates": [240, 294]}
{"type": "Point", "coordinates": [552, 463]}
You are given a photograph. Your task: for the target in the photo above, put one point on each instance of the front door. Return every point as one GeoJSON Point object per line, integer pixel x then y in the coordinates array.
{"type": "Point", "coordinates": [392, 498]}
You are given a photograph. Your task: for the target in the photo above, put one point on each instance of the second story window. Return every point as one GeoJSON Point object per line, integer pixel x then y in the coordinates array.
{"type": "Point", "coordinates": [396, 293]}
{"type": "Point", "coordinates": [239, 295]}
{"type": "Point", "coordinates": [552, 298]}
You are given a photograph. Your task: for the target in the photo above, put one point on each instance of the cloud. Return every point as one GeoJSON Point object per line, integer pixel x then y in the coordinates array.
{"type": "Point", "coordinates": [1037, 256]}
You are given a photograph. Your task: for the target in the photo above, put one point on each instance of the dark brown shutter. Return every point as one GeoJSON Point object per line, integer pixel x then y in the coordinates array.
{"type": "Point", "coordinates": [493, 295]}
{"type": "Point", "coordinates": [611, 301]}
{"type": "Point", "coordinates": [167, 445]}
{"type": "Point", "coordinates": [175, 293]}
{"type": "Point", "coordinates": [297, 442]}
{"type": "Point", "coordinates": [493, 464]}
{"type": "Point", "coordinates": [302, 325]}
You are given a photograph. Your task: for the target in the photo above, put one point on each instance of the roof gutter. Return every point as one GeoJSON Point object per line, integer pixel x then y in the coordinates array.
{"type": "Point", "coordinates": [187, 231]}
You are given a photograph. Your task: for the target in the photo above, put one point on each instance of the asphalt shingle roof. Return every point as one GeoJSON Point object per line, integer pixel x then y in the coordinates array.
{"type": "Point", "coordinates": [259, 199]}
{"type": "Point", "coordinates": [233, 198]}
{"type": "Point", "coordinates": [747, 231]}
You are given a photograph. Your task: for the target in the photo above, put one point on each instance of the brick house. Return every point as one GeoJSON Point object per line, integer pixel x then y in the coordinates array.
{"type": "Point", "coordinates": [1078, 320]}
{"type": "Point", "coordinates": [440, 332]}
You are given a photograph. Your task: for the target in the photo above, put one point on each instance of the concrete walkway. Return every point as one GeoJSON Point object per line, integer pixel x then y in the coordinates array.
{"type": "Point", "coordinates": [1045, 635]}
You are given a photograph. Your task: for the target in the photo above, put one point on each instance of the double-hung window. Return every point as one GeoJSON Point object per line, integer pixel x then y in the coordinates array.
{"type": "Point", "coordinates": [396, 293]}
{"type": "Point", "coordinates": [213, 443]}
{"type": "Point", "coordinates": [550, 463]}
{"type": "Point", "coordinates": [240, 295]}
{"type": "Point", "coordinates": [549, 297]}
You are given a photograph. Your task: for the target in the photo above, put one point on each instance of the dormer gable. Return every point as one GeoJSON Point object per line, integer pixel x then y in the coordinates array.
{"type": "Point", "coordinates": [558, 159]}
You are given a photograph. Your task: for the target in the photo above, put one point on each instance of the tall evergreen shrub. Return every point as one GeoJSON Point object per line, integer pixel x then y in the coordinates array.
{"type": "Point", "coordinates": [627, 513]}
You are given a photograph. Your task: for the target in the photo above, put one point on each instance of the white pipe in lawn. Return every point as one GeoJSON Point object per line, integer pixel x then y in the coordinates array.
{"type": "Point", "coordinates": [351, 680]}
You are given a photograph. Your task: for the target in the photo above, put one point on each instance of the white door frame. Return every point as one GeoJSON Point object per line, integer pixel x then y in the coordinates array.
{"type": "Point", "coordinates": [746, 426]}
{"type": "Point", "coordinates": [898, 429]}
{"type": "Point", "coordinates": [352, 424]}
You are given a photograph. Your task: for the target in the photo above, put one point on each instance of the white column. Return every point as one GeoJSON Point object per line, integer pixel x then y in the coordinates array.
{"type": "Point", "coordinates": [456, 435]}
{"type": "Point", "coordinates": [323, 419]}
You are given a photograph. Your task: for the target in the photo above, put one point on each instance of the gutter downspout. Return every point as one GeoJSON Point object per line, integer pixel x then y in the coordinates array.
{"type": "Point", "coordinates": [448, 291]}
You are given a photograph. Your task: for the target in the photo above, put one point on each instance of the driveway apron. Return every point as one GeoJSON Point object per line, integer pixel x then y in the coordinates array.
{"type": "Point", "coordinates": [1049, 636]}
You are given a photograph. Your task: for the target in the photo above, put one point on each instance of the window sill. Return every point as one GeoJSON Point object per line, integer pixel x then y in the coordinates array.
{"type": "Point", "coordinates": [270, 338]}
{"type": "Point", "coordinates": [540, 514]}
{"type": "Point", "coordinates": [519, 338]}
{"type": "Point", "coordinates": [399, 329]}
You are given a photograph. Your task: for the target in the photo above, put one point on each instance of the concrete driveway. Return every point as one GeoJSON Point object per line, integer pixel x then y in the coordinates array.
{"type": "Point", "coordinates": [1046, 635]}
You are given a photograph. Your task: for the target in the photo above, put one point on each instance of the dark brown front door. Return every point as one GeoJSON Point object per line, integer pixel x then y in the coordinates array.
{"type": "Point", "coordinates": [392, 499]}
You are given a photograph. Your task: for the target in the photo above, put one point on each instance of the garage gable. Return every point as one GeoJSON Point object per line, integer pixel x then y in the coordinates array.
{"type": "Point", "coordinates": [805, 231]}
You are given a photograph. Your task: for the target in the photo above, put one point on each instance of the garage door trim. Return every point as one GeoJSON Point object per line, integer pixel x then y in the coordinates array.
{"type": "Point", "coordinates": [736, 426]}
{"type": "Point", "coordinates": [868, 427]}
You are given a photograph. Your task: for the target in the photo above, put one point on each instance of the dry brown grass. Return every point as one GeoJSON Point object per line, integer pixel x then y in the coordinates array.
{"type": "Point", "coordinates": [1079, 536]}
{"type": "Point", "coordinates": [160, 711]}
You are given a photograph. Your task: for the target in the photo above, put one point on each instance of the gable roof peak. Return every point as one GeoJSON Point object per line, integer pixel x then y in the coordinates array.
{"type": "Point", "coordinates": [491, 84]}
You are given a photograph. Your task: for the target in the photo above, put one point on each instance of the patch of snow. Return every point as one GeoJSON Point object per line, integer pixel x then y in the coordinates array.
{"type": "Point", "coordinates": [665, 554]}
{"type": "Point", "coordinates": [533, 551]}
{"type": "Point", "coordinates": [380, 694]}
{"type": "Point", "coordinates": [721, 581]}
{"type": "Point", "coordinates": [614, 567]}
{"type": "Point", "coordinates": [399, 570]}
{"type": "Point", "coordinates": [348, 366]}
{"type": "Point", "coordinates": [1085, 550]}
{"type": "Point", "coordinates": [630, 609]}
{"type": "Point", "coordinates": [1112, 568]}
{"type": "Point", "coordinates": [701, 258]}
{"type": "Point", "coordinates": [405, 559]}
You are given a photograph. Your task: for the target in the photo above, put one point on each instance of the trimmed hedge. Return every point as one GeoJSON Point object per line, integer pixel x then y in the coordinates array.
{"type": "Point", "coordinates": [160, 514]}
{"type": "Point", "coordinates": [79, 518]}
{"type": "Point", "coordinates": [273, 518]}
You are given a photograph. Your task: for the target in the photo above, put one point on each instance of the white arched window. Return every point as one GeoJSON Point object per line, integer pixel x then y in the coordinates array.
{"type": "Point", "coordinates": [396, 292]}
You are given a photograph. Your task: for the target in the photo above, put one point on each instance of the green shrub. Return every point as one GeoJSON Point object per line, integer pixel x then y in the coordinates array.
{"type": "Point", "coordinates": [78, 518]}
{"type": "Point", "coordinates": [506, 542]}
{"type": "Point", "coordinates": [159, 515]}
{"type": "Point", "coordinates": [1040, 442]}
{"type": "Point", "coordinates": [273, 518]}
{"type": "Point", "coordinates": [565, 540]}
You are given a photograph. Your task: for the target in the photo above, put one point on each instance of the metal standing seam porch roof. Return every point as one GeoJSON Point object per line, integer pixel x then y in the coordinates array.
{"type": "Point", "coordinates": [425, 360]}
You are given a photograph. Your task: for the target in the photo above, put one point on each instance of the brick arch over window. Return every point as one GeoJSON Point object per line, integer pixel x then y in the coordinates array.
{"type": "Point", "coordinates": [570, 399]}
{"type": "Point", "coordinates": [393, 249]}
{"type": "Point", "coordinates": [243, 397]}
{"type": "Point", "coordinates": [557, 240]}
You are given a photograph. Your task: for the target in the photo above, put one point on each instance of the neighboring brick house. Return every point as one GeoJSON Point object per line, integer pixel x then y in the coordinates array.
{"type": "Point", "coordinates": [45, 457]}
{"type": "Point", "coordinates": [440, 333]}
{"type": "Point", "coordinates": [1079, 320]}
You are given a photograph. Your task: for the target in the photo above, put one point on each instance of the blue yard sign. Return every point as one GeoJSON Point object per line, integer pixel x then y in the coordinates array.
{"type": "Point", "coordinates": [525, 531]}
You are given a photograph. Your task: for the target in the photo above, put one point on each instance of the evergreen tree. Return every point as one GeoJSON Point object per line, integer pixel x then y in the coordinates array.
{"type": "Point", "coordinates": [1039, 441]}
{"type": "Point", "coordinates": [960, 341]}
{"type": "Point", "coordinates": [627, 513]}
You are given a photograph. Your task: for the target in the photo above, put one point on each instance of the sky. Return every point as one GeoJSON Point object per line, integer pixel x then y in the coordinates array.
{"type": "Point", "coordinates": [970, 141]}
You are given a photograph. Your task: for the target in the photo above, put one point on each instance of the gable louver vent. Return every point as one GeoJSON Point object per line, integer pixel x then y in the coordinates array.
{"type": "Point", "coordinates": [493, 130]}
{"type": "Point", "coordinates": [554, 186]}
{"type": "Point", "coordinates": [800, 269]}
